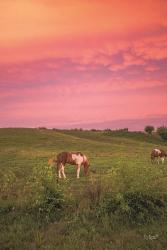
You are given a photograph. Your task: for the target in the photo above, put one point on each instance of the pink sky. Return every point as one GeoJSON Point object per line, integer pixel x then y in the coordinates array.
{"type": "Point", "coordinates": [66, 63]}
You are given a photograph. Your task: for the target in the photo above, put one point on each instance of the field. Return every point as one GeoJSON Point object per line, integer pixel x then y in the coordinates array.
{"type": "Point", "coordinates": [122, 204]}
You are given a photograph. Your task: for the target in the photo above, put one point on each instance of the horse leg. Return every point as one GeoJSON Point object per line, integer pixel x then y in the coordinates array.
{"type": "Point", "coordinates": [59, 169]}
{"type": "Point", "coordinates": [62, 171]}
{"type": "Point", "coordinates": [78, 170]}
{"type": "Point", "coordinates": [162, 160]}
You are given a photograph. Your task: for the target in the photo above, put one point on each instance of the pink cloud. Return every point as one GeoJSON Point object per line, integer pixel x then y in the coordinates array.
{"type": "Point", "coordinates": [61, 104]}
{"type": "Point", "coordinates": [82, 61]}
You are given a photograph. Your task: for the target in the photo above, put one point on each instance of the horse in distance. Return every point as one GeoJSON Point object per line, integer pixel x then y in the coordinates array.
{"type": "Point", "coordinates": [158, 155]}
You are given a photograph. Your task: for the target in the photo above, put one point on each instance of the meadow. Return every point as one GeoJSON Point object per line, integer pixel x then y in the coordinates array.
{"type": "Point", "coordinates": [122, 204]}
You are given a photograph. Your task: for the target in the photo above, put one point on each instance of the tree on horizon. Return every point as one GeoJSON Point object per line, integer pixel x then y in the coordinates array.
{"type": "Point", "coordinates": [149, 129]}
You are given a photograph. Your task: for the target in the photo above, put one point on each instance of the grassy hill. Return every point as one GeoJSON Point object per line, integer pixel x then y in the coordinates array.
{"type": "Point", "coordinates": [120, 205]}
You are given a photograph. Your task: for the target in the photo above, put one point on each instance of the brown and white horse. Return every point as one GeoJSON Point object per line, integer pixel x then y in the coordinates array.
{"type": "Point", "coordinates": [158, 154]}
{"type": "Point", "coordinates": [73, 158]}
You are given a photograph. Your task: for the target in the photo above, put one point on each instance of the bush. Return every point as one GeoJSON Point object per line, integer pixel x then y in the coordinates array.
{"type": "Point", "coordinates": [50, 207]}
{"type": "Point", "coordinates": [149, 129]}
{"type": "Point", "coordinates": [136, 207]}
{"type": "Point", "coordinates": [94, 192]}
{"type": "Point", "coordinates": [41, 128]}
{"type": "Point", "coordinates": [162, 132]}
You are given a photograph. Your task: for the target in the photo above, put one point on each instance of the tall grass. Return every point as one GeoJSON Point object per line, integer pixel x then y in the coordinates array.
{"type": "Point", "coordinates": [120, 205]}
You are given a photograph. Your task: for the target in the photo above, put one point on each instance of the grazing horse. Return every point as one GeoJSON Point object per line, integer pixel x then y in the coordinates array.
{"type": "Point", "coordinates": [73, 158]}
{"type": "Point", "coordinates": [158, 154]}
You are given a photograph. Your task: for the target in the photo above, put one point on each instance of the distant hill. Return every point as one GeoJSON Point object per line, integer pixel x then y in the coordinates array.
{"type": "Point", "coordinates": [131, 124]}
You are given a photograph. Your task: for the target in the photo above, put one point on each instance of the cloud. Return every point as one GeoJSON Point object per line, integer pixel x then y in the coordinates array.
{"type": "Point", "coordinates": [40, 29]}
{"type": "Point", "coordinates": [89, 60]}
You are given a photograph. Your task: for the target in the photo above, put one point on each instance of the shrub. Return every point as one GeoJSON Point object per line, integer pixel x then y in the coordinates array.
{"type": "Point", "coordinates": [94, 192]}
{"type": "Point", "coordinates": [117, 132]}
{"type": "Point", "coordinates": [50, 207]}
{"type": "Point", "coordinates": [136, 207]}
{"type": "Point", "coordinates": [162, 132]}
{"type": "Point", "coordinates": [107, 130]}
{"type": "Point", "coordinates": [149, 129]}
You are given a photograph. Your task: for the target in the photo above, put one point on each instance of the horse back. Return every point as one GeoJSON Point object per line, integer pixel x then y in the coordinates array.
{"type": "Point", "coordinates": [62, 158]}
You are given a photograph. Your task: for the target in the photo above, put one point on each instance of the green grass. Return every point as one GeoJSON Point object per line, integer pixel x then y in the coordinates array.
{"type": "Point", "coordinates": [30, 216]}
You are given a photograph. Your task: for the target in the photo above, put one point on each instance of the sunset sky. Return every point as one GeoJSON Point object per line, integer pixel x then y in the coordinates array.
{"type": "Point", "coordinates": [80, 62]}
